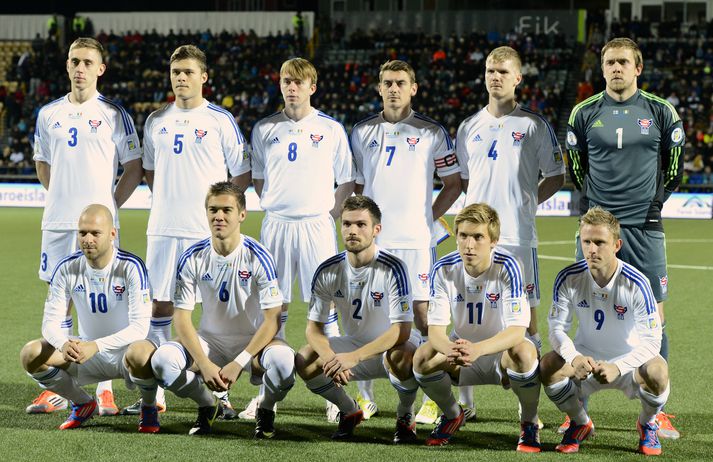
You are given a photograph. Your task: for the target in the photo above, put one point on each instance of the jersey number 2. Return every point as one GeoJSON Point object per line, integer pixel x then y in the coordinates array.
{"type": "Point", "coordinates": [357, 308]}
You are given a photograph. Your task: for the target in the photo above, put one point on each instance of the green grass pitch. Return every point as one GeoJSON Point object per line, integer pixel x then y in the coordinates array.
{"type": "Point", "coordinates": [303, 432]}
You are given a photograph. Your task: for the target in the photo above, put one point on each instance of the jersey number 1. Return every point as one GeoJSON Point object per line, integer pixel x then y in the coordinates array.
{"type": "Point", "coordinates": [619, 137]}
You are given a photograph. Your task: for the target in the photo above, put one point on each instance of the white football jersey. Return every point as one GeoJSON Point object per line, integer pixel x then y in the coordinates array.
{"type": "Point", "coordinates": [618, 322]}
{"type": "Point", "coordinates": [395, 163]}
{"type": "Point", "coordinates": [83, 144]}
{"type": "Point", "coordinates": [300, 162]}
{"type": "Point", "coordinates": [478, 307]}
{"type": "Point", "coordinates": [189, 150]}
{"type": "Point", "coordinates": [113, 304]}
{"type": "Point", "coordinates": [502, 159]}
{"type": "Point", "coordinates": [368, 299]}
{"type": "Point", "coordinates": [235, 288]}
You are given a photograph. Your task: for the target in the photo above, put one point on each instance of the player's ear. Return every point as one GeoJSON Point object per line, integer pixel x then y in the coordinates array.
{"type": "Point", "coordinates": [312, 88]}
{"type": "Point", "coordinates": [101, 69]}
{"type": "Point", "coordinates": [204, 77]}
{"type": "Point", "coordinates": [242, 215]}
{"type": "Point", "coordinates": [112, 234]}
{"type": "Point", "coordinates": [617, 245]}
{"type": "Point", "coordinates": [377, 229]}
{"type": "Point", "coordinates": [414, 89]}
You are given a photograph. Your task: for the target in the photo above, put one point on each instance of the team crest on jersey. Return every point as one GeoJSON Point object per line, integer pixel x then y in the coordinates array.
{"type": "Point", "coordinates": [663, 280]}
{"type": "Point", "coordinates": [244, 277]}
{"type": "Point", "coordinates": [373, 144]}
{"type": "Point", "coordinates": [571, 138]}
{"type": "Point", "coordinates": [493, 299]}
{"type": "Point", "coordinates": [620, 310]}
{"type": "Point", "coordinates": [316, 139]}
{"type": "Point", "coordinates": [94, 124]}
{"type": "Point", "coordinates": [645, 124]}
{"type": "Point", "coordinates": [530, 289]}
{"type": "Point", "coordinates": [200, 134]}
{"type": "Point", "coordinates": [377, 296]}
{"type": "Point", "coordinates": [57, 125]}
{"type": "Point", "coordinates": [423, 277]}
{"type": "Point", "coordinates": [163, 131]}
{"type": "Point", "coordinates": [517, 138]}
{"type": "Point", "coordinates": [474, 289]}
{"type": "Point", "coordinates": [80, 288]}
{"type": "Point", "coordinates": [412, 142]}
{"type": "Point", "coordinates": [477, 138]}
{"type": "Point", "coordinates": [118, 291]}
{"type": "Point", "coordinates": [677, 135]}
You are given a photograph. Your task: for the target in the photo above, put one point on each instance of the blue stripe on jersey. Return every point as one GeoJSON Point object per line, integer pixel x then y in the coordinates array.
{"type": "Point", "coordinates": [66, 259]}
{"type": "Point", "coordinates": [58, 100]}
{"type": "Point", "coordinates": [399, 270]}
{"type": "Point", "coordinates": [553, 137]}
{"type": "Point", "coordinates": [449, 142]}
{"type": "Point", "coordinates": [536, 265]}
{"type": "Point", "coordinates": [327, 263]}
{"type": "Point", "coordinates": [322, 114]}
{"type": "Point", "coordinates": [574, 268]}
{"type": "Point", "coordinates": [197, 247]}
{"type": "Point", "coordinates": [450, 259]}
{"type": "Point", "coordinates": [143, 274]}
{"type": "Point", "coordinates": [643, 283]}
{"type": "Point", "coordinates": [514, 272]}
{"type": "Point", "coordinates": [364, 120]}
{"type": "Point", "coordinates": [263, 256]}
{"type": "Point", "coordinates": [128, 126]}
{"type": "Point", "coordinates": [230, 117]}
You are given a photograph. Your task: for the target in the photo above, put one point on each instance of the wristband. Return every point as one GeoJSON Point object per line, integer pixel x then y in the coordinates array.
{"type": "Point", "coordinates": [243, 359]}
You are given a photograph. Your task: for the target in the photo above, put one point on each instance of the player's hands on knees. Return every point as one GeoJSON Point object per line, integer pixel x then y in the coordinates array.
{"type": "Point", "coordinates": [339, 363]}
{"type": "Point", "coordinates": [230, 373]}
{"type": "Point", "coordinates": [88, 350]}
{"type": "Point", "coordinates": [583, 366]}
{"type": "Point", "coordinates": [343, 378]}
{"type": "Point", "coordinates": [606, 372]}
{"type": "Point", "coordinates": [72, 351]}
{"type": "Point", "coordinates": [211, 376]}
{"type": "Point", "coordinates": [463, 353]}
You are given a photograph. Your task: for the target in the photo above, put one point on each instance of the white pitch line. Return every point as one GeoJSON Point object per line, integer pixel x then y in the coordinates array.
{"type": "Point", "coordinates": [688, 267]}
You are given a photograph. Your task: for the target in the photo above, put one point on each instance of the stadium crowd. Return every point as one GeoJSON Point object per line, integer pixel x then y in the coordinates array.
{"type": "Point", "coordinates": [244, 78]}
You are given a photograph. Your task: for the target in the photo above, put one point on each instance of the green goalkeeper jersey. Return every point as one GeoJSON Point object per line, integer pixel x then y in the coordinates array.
{"type": "Point", "coordinates": [626, 157]}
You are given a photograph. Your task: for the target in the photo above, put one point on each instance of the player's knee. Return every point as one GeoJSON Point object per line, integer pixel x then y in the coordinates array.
{"type": "Point", "coordinates": [550, 364]}
{"type": "Point", "coordinates": [30, 354]}
{"type": "Point", "coordinates": [167, 362]}
{"type": "Point", "coordinates": [162, 309]}
{"type": "Point", "coordinates": [655, 374]}
{"type": "Point", "coordinates": [523, 355]}
{"type": "Point", "coordinates": [421, 358]}
{"type": "Point", "coordinates": [400, 362]}
{"type": "Point", "coordinates": [305, 362]}
{"type": "Point", "coordinates": [138, 356]}
{"type": "Point", "coordinates": [279, 362]}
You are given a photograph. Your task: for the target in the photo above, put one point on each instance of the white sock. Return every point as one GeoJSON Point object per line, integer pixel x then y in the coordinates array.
{"type": "Point", "coordinates": [526, 386]}
{"type": "Point", "coordinates": [279, 364]}
{"type": "Point", "coordinates": [148, 389]}
{"type": "Point", "coordinates": [171, 370]}
{"type": "Point", "coordinates": [160, 330]}
{"type": "Point", "coordinates": [366, 389]}
{"type": "Point", "coordinates": [652, 404]}
{"type": "Point", "coordinates": [465, 396]}
{"type": "Point", "coordinates": [283, 323]}
{"type": "Point", "coordinates": [565, 395]}
{"type": "Point", "coordinates": [407, 394]}
{"type": "Point", "coordinates": [326, 388]}
{"type": "Point", "coordinates": [438, 388]}
{"type": "Point", "coordinates": [59, 381]}
{"type": "Point", "coordinates": [104, 386]}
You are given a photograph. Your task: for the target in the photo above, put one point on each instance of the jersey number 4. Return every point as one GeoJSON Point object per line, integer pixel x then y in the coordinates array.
{"type": "Point", "coordinates": [493, 153]}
